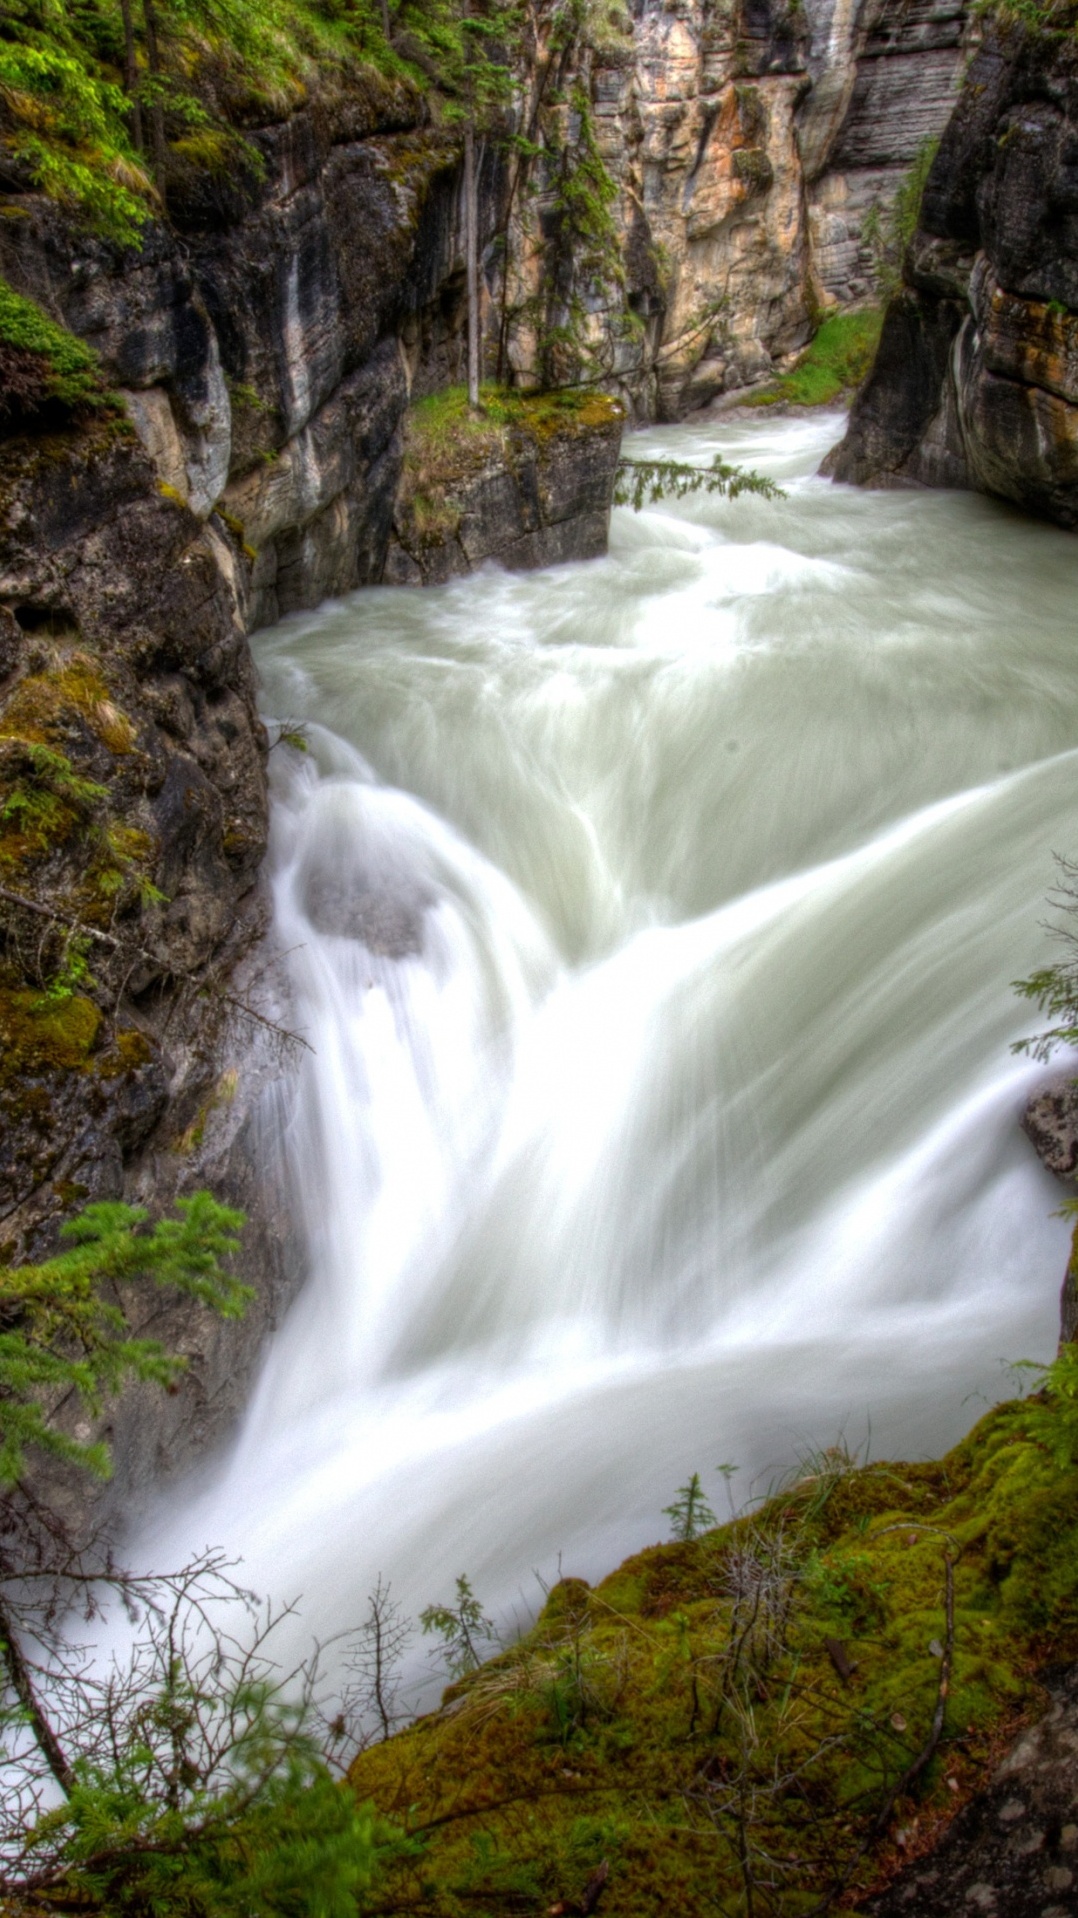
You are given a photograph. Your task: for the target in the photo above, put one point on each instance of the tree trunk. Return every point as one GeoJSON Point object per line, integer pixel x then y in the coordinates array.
{"type": "Point", "coordinates": [157, 116]}
{"type": "Point", "coordinates": [471, 253]}
{"type": "Point", "coordinates": [22, 1684]}
{"type": "Point", "coordinates": [385, 23]}
{"type": "Point", "coordinates": [131, 74]}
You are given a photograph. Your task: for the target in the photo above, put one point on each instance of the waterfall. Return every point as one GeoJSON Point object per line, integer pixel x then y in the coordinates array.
{"type": "Point", "coordinates": [652, 922]}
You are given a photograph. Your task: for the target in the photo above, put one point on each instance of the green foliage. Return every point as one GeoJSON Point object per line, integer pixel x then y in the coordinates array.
{"type": "Point", "coordinates": [274, 1835]}
{"type": "Point", "coordinates": [64, 1330]}
{"type": "Point", "coordinates": [66, 124]}
{"type": "Point", "coordinates": [103, 121]}
{"type": "Point", "coordinates": [1052, 1419]}
{"type": "Point", "coordinates": [55, 367]}
{"type": "Point", "coordinates": [1054, 989]}
{"type": "Point", "coordinates": [889, 233]}
{"type": "Point", "coordinates": [641, 482]}
{"type": "Point", "coordinates": [463, 1629]}
{"type": "Point", "coordinates": [839, 358]}
{"type": "Point", "coordinates": [690, 1514]}
{"type": "Point", "coordinates": [1056, 17]}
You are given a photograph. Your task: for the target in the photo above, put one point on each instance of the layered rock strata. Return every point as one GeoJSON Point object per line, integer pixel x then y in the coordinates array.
{"type": "Point", "coordinates": [755, 147]}
{"type": "Point", "coordinates": [976, 380]}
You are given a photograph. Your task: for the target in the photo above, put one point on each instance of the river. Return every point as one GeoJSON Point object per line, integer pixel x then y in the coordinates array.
{"type": "Point", "coordinates": [653, 923]}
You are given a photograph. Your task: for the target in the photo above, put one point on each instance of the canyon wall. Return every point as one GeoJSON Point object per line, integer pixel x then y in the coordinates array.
{"type": "Point", "coordinates": [268, 341]}
{"type": "Point", "coordinates": [750, 143]}
{"type": "Point", "coordinates": [976, 379]}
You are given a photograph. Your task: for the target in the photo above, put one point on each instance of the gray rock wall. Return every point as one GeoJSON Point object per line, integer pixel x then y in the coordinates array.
{"type": "Point", "coordinates": [976, 381]}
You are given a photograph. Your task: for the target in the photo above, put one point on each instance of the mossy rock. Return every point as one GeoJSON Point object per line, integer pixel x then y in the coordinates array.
{"type": "Point", "coordinates": [751, 1700]}
{"type": "Point", "coordinates": [47, 375]}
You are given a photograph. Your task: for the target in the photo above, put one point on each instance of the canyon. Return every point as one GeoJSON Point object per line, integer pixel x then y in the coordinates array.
{"type": "Point", "coordinates": [267, 345]}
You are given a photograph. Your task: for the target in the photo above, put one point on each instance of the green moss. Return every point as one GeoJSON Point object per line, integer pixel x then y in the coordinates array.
{"type": "Point", "coordinates": [636, 1722]}
{"type": "Point", "coordinates": [838, 359]}
{"type": "Point", "coordinates": [43, 705]}
{"type": "Point", "coordinates": [45, 1038]}
{"type": "Point", "coordinates": [129, 1050]}
{"type": "Point", "coordinates": [43, 364]}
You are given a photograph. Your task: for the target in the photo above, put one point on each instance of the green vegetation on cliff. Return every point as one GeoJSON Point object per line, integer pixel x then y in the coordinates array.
{"type": "Point", "coordinates": [105, 103]}
{"type": "Point", "coordinates": [762, 1719]}
{"type": "Point", "coordinates": [837, 360]}
{"type": "Point", "coordinates": [44, 369]}
{"type": "Point", "coordinates": [185, 1780]}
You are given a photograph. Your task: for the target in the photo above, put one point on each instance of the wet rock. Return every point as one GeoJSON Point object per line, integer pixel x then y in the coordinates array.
{"type": "Point", "coordinates": [1012, 1852]}
{"type": "Point", "coordinates": [1050, 1122]}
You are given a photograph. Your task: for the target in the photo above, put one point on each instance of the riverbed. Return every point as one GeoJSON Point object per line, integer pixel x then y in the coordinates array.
{"type": "Point", "coordinates": [653, 922]}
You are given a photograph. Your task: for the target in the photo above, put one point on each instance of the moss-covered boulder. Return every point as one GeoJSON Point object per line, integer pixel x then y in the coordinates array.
{"type": "Point", "coordinates": [770, 1718]}
{"type": "Point", "coordinates": [527, 482]}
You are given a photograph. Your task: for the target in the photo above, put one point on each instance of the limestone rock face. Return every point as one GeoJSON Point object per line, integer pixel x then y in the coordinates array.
{"type": "Point", "coordinates": [976, 383]}
{"type": "Point", "coordinates": [750, 143]}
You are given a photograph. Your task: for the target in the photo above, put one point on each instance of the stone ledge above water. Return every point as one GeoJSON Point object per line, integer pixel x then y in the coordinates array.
{"type": "Point", "coordinates": [529, 482]}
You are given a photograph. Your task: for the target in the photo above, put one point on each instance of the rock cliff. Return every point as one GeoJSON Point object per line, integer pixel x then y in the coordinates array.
{"type": "Point", "coordinates": [976, 380]}
{"type": "Point", "coordinates": [750, 144]}
{"type": "Point", "coordinates": [530, 485]}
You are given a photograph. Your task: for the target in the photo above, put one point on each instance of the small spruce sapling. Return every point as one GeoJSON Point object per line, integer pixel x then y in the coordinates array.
{"type": "Point", "coordinates": [690, 1514]}
{"type": "Point", "coordinates": [466, 1633]}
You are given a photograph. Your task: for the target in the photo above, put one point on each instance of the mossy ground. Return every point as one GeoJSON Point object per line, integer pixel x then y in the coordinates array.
{"type": "Point", "coordinates": [724, 1722]}
{"type": "Point", "coordinates": [838, 359]}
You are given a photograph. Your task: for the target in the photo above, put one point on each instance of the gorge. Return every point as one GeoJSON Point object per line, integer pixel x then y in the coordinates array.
{"type": "Point", "coordinates": [590, 972]}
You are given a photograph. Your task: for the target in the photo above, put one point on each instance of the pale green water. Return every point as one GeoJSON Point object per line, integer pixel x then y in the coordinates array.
{"type": "Point", "coordinates": [654, 921]}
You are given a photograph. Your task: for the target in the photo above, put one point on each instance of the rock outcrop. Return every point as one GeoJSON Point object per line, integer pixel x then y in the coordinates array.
{"type": "Point", "coordinates": [530, 489]}
{"type": "Point", "coordinates": [976, 380]}
{"type": "Point", "coordinates": [133, 819]}
{"type": "Point", "coordinates": [1012, 1852]}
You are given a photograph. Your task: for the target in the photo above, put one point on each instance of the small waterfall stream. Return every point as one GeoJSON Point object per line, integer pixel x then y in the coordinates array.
{"type": "Point", "coordinates": [653, 923]}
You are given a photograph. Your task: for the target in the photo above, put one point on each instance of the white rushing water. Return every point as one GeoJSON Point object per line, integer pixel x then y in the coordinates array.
{"type": "Point", "coordinates": [653, 923]}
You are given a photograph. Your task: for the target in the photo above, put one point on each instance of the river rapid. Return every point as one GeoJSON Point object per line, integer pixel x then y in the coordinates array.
{"type": "Point", "coordinates": [652, 921]}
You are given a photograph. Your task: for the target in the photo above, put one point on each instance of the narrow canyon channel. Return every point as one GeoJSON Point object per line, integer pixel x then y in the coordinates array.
{"type": "Point", "coordinates": [653, 923]}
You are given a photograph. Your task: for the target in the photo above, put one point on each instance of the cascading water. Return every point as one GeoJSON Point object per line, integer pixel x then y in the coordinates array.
{"type": "Point", "coordinates": [652, 922]}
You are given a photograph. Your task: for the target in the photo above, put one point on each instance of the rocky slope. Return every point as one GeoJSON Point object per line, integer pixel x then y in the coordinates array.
{"type": "Point", "coordinates": [976, 380]}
